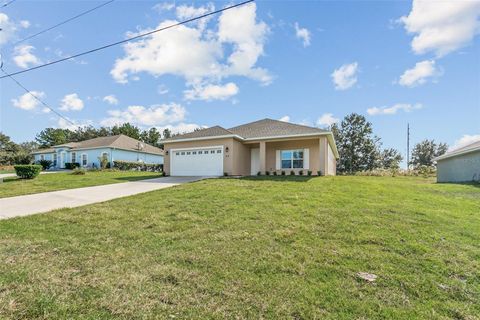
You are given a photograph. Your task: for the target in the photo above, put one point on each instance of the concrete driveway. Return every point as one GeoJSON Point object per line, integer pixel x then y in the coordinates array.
{"type": "Point", "coordinates": [47, 201]}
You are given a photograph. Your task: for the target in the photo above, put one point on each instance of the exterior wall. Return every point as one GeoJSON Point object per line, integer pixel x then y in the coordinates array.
{"type": "Point", "coordinates": [228, 157]}
{"type": "Point", "coordinates": [241, 159]}
{"type": "Point", "coordinates": [124, 155]}
{"type": "Point", "coordinates": [311, 144]}
{"type": "Point", "coordinates": [462, 168]}
{"type": "Point", "coordinates": [331, 163]}
{"type": "Point", "coordinates": [48, 156]}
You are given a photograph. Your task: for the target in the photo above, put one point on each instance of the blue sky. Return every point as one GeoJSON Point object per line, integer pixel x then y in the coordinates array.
{"type": "Point", "coordinates": [309, 62]}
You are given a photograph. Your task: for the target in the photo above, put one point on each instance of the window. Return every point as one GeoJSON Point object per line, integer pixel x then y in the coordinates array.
{"type": "Point", "coordinates": [212, 151]}
{"type": "Point", "coordinates": [200, 152]}
{"type": "Point", "coordinates": [105, 154]}
{"type": "Point", "coordinates": [42, 157]}
{"type": "Point", "coordinates": [194, 152]}
{"type": "Point", "coordinates": [177, 153]}
{"type": "Point", "coordinates": [292, 159]}
{"type": "Point", "coordinates": [188, 153]}
{"type": "Point", "coordinates": [84, 159]}
{"type": "Point", "coordinates": [219, 151]}
{"type": "Point", "coordinates": [55, 159]}
{"type": "Point", "coordinates": [183, 153]}
{"type": "Point", "coordinates": [74, 157]}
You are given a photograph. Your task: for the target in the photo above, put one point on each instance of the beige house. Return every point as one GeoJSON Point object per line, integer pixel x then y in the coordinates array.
{"type": "Point", "coordinates": [460, 165]}
{"type": "Point", "coordinates": [260, 146]}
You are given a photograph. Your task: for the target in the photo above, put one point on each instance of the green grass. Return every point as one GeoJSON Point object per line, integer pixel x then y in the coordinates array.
{"type": "Point", "coordinates": [272, 248]}
{"type": "Point", "coordinates": [13, 186]}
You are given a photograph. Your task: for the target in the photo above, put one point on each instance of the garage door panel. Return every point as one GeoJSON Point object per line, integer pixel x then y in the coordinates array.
{"type": "Point", "coordinates": [206, 161]}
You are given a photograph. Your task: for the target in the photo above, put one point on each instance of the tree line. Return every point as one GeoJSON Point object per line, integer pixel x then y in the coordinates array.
{"type": "Point", "coordinates": [359, 148]}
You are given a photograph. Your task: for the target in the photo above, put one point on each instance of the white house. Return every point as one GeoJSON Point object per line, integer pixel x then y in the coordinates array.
{"type": "Point", "coordinates": [460, 165]}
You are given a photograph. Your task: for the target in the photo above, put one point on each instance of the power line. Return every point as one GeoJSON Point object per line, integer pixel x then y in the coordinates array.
{"type": "Point", "coordinates": [64, 22]}
{"type": "Point", "coordinates": [8, 3]}
{"type": "Point", "coordinates": [37, 98]}
{"type": "Point", "coordinates": [128, 39]}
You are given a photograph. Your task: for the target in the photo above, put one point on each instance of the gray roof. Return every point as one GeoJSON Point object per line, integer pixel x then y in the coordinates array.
{"type": "Point", "coordinates": [119, 141]}
{"type": "Point", "coordinates": [475, 146]}
{"type": "Point", "coordinates": [257, 129]}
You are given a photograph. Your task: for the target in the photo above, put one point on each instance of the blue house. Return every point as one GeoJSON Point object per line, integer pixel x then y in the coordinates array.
{"type": "Point", "coordinates": [88, 152]}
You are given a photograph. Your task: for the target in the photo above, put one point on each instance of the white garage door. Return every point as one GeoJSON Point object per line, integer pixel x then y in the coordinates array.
{"type": "Point", "coordinates": [206, 161]}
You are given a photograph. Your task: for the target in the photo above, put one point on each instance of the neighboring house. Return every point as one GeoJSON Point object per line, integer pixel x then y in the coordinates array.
{"type": "Point", "coordinates": [260, 146]}
{"type": "Point", "coordinates": [88, 152]}
{"type": "Point", "coordinates": [460, 165]}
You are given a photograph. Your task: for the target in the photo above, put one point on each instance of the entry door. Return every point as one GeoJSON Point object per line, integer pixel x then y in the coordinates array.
{"type": "Point", "coordinates": [254, 161]}
{"type": "Point", "coordinates": [63, 155]}
{"type": "Point", "coordinates": [206, 161]}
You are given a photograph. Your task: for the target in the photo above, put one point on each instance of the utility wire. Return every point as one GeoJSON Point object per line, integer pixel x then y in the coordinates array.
{"type": "Point", "coordinates": [8, 3]}
{"type": "Point", "coordinates": [63, 22]}
{"type": "Point", "coordinates": [37, 98]}
{"type": "Point", "coordinates": [129, 39]}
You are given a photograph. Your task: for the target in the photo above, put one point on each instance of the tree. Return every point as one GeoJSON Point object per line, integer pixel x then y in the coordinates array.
{"type": "Point", "coordinates": [151, 136]}
{"type": "Point", "coordinates": [12, 153]}
{"type": "Point", "coordinates": [167, 133]}
{"type": "Point", "coordinates": [51, 137]}
{"type": "Point", "coordinates": [390, 159]}
{"type": "Point", "coordinates": [356, 144]}
{"type": "Point", "coordinates": [425, 151]}
{"type": "Point", "coordinates": [127, 129]}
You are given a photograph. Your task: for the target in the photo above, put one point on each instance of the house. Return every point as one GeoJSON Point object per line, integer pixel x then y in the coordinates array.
{"type": "Point", "coordinates": [260, 146]}
{"type": "Point", "coordinates": [88, 152]}
{"type": "Point", "coordinates": [460, 165]}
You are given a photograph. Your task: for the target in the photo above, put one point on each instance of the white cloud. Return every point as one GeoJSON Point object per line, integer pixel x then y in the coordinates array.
{"type": "Point", "coordinates": [212, 92]}
{"type": "Point", "coordinates": [23, 56]}
{"type": "Point", "coordinates": [164, 6]}
{"type": "Point", "coordinates": [326, 119]}
{"type": "Point", "coordinates": [162, 89]}
{"type": "Point", "coordinates": [285, 119]}
{"type": "Point", "coordinates": [442, 26]}
{"type": "Point", "coordinates": [419, 74]}
{"type": "Point", "coordinates": [64, 124]}
{"type": "Point", "coordinates": [8, 28]}
{"type": "Point", "coordinates": [237, 33]}
{"type": "Point", "coordinates": [465, 140]}
{"type": "Point", "coordinates": [185, 12]}
{"type": "Point", "coordinates": [111, 99]}
{"type": "Point", "coordinates": [25, 24]}
{"type": "Point", "coordinates": [302, 34]}
{"type": "Point", "coordinates": [28, 102]}
{"type": "Point", "coordinates": [345, 76]}
{"type": "Point", "coordinates": [157, 115]}
{"type": "Point", "coordinates": [71, 102]}
{"type": "Point", "coordinates": [394, 109]}
{"type": "Point", "coordinates": [181, 127]}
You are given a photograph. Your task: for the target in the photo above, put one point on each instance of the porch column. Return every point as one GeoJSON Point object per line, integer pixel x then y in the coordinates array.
{"type": "Point", "coordinates": [263, 157]}
{"type": "Point", "coordinates": [323, 148]}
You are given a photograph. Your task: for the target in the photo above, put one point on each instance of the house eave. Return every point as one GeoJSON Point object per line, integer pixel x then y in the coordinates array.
{"type": "Point", "coordinates": [454, 154]}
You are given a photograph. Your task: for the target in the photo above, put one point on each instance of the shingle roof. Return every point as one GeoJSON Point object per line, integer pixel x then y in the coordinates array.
{"type": "Point", "coordinates": [475, 146]}
{"type": "Point", "coordinates": [119, 141]}
{"type": "Point", "coordinates": [257, 129]}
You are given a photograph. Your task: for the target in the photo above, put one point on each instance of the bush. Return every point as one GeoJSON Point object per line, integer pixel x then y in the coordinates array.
{"type": "Point", "coordinates": [259, 173]}
{"type": "Point", "coordinates": [274, 173]}
{"type": "Point", "coordinates": [319, 173]}
{"type": "Point", "coordinates": [28, 171]}
{"type": "Point", "coordinates": [300, 172]}
{"type": "Point", "coordinates": [283, 172]}
{"type": "Point", "coordinates": [292, 173]}
{"type": "Point", "coordinates": [46, 164]}
{"type": "Point", "coordinates": [137, 166]}
{"type": "Point", "coordinates": [225, 174]}
{"type": "Point", "coordinates": [267, 173]}
{"type": "Point", "coordinates": [78, 171]}
{"type": "Point", "coordinates": [309, 172]}
{"type": "Point", "coordinates": [72, 165]}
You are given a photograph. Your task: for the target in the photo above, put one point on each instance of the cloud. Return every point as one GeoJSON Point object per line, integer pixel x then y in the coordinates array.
{"type": "Point", "coordinates": [302, 34]}
{"type": "Point", "coordinates": [326, 120]}
{"type": "Point", "coordinates": [162, 89]}
{"type": "Point", "coordinates": [465, 140]}
{"type": "Point", "coordinates": [419, 74]}
{"type": "Point", "coordinates": [442, 26]}
{"type": "Point", "coordinates": [181, 127]}
{"type": "Point", "coordinates": [71, 102]}
{"type": "Point", "coordinates": [111, 99]}
{"type": "Point", "coordinates": [23, 56]}
{"type": "Point", "coordinates": [212, 92]}
{"type": "Point", "coordinates": [64, 124]}
{"type": "Point", "coordinates": [25, 24]}
{"type": "Point", "coordinates": [393, 109]}
{"type": "Point", "coordinates": [157, 115]}
{"type": "Point", "coordinates": [28, 102]}
{"type": "Point", "coordinates": [164, 6]}
{"type": "Point", "coordinates": [285, 119]}
{"type": "Point", "coordinates": [8, 28]}
{"type": "Point", "coordinates": [230, 48]}
{"type": "Point", "coordinates": [185, 12]}
{"type": "Point", "coordinates": [345, 76]}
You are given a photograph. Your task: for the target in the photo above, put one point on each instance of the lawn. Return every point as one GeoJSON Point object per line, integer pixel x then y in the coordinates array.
{"type": "Point", "coordinates": [272, 248]}
{"type": "Point", "coordinates": [13, 186]}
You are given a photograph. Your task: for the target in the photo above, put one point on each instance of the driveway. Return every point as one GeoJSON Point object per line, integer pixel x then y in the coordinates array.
{"type": "Point", "coordinates": [47, 201]}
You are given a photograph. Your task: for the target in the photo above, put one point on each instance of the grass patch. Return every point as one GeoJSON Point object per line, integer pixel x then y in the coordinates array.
{"type": "Point", "coordinates": [268, 247]}
{"type": "Point", "coordinates": [13, 186]}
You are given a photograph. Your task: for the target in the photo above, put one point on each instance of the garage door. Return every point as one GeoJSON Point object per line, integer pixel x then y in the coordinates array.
{"type": "Point", "coordinates": [206, 161]}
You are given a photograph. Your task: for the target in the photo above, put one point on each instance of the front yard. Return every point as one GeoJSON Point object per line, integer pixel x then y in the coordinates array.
{"type": "Point", "coordinates": [13, 186]}
{"type": "Point", "coordinates": [268, 247]}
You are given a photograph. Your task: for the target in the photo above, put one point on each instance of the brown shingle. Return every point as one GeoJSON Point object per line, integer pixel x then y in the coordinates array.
{"type": "Point", "coordinates": [272, 128]}
{"type": "Point", "coordinates": [202, 133]}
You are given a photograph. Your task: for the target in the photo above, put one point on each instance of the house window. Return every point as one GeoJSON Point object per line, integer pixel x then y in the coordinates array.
{"type": "Point", "coordinates": [177, 153]}
{"type": "Point", "coordinates": [188, 153]}
{"type": "Point", "coordinates": [74, 157]}
{"type": "Point", "coordinates": [42, 157]}
{"type": "Point", "coordinates": [200, 152]}
{"type": "Point", "coordinates": [194, 152]}
{"type": "Point", "coordinates": [84, 159]}
{"type": "Point", "coordinates": [55, 159]}
{"type": "Point", "coordinates": [219, 151]}
{"type": "Point", "coordinates": [183, 153]}
{"type": "Point", "coordinates": [292, 159]}
{"type": "Point", "coordinates": [212, 151]}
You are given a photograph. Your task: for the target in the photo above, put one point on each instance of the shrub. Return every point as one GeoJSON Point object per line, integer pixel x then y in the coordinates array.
{"type": "Point", "coordinates": [259, 173]}
{"type": "Point", "coordinates": [300, 172]}
{"type": "Point", "coordinates": [103, 160]}
{"type": "Point", "coordinates": [78, 171]}
{"type": "Point", "coordinates": [267, 173]}
{"type": "Point", "coordinates": [137, 166]}
{"type": "Point", "coordinates": [283, 172]}
{"type": "Point", "coordinates": [28, 171]}
{"type": "Point", "coordinates": [292, 173]}
{"type": "Point", "coordinates": [309, 172]}
{"type": "Point", "coordinates": [319, 173]}
{"type": "Point", "coordinates": [46, 164]}
{"type": "Point", "coordinates": [274, 173]}
{"type": "Point", "coordinates": [225, 174]}
{"type": "Point", "coordinates": [72, 165]}
{"type": "Point", "coordinates": [164, 174]}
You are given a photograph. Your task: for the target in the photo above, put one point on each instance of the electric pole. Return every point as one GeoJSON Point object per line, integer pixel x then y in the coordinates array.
{"type": "Point", "coordinates": [408, 146]}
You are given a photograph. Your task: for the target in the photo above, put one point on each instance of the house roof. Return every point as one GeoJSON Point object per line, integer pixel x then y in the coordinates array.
{"type": "Point", "coordinates": [119, 141]}
{"type": "Point", "coordinates": [475, 146]}
{"type": "Point", "coordinates": [215, 131]}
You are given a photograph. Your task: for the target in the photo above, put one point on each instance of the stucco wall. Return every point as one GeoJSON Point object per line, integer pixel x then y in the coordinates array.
{"type": "Point", "coordinates": [461, 168]}
{"type": "Point", "coordinates": [331, 162]}
{"type": "Point", "coordinates": [311, 144]}
{"type": "Point", "coordinates": [124, 155]}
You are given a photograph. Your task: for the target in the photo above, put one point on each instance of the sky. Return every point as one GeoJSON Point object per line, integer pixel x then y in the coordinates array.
{"type": "Point", "coordinates": [307, 62]}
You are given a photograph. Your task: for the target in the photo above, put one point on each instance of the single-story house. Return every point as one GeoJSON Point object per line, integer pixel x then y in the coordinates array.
{"type": "Point", "coordinates": [88, 152]}
{"type": "Point", "coordinates": [260, 146]}
{"type": "Point", "coordinates": [460, 165]}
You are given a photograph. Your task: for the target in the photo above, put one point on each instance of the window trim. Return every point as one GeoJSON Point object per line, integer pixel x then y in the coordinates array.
{"type": "Point", "coordinates": [86, 160]}
{"type": "Point", "coordinates": [292, 159]}
{"type": "Point", "coordinates": [73, 156]}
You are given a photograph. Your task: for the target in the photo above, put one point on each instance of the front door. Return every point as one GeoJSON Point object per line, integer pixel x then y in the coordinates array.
{"type": "Point", "coordinates": [254, 161]}
{"type": "Point", "coordinates": [63, 157]}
